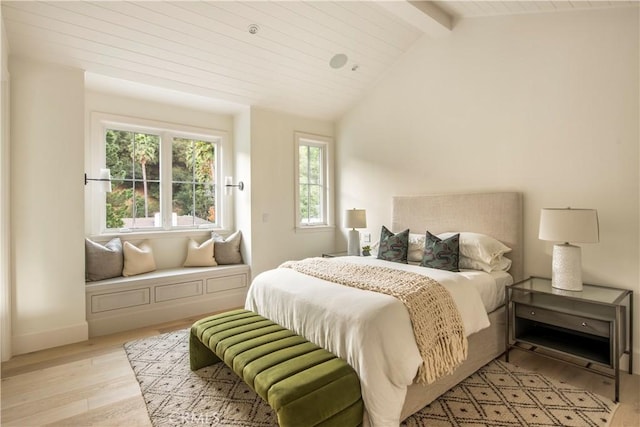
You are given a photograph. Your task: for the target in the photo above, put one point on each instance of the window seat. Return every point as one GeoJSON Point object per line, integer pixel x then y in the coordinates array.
{"type": "Point", "coordinates": [123, 303]}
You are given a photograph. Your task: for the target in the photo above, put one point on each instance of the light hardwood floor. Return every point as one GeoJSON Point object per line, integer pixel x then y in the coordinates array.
{"type": "Point", "coordinates": [92, 384]}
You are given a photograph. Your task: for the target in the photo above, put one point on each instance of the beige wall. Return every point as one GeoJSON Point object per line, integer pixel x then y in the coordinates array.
{"type": "Point", "coordinates": [242, 172]}
{"type": "Point", "coordinates": [543, 104]}
{"type": "Point", "coordinates": [274, 238]}
{"type": "Point", "coordinates": [47, 149]}
{"type": "Point", "coordinates": [5, 193]}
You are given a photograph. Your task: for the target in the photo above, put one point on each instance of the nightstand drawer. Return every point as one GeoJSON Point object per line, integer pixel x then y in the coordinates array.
{"type": "Point", "coordinates": [568, 321]}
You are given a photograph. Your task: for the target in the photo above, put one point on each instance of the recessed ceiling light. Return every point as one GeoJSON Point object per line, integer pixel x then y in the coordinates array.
{"type": "Point", "coordinates": [338, 60]}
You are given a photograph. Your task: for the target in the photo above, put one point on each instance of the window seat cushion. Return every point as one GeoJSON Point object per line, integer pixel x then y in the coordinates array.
{"type": "Point", "coordinates": [176, 272]}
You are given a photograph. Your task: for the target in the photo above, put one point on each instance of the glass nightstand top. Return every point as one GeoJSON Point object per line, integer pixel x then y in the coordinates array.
{"type": "Point", "coordinates": [593, 293]}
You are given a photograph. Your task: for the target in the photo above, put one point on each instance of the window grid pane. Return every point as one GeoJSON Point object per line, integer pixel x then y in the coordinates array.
{"type": "Point", "coordinates": [134, 161]}
{"type": "Point", "coordinates": [310, 167]}
{"type": "Point", "coordinates": [193, 182]}
{"type": "Point", "coordinates": [315, 165]}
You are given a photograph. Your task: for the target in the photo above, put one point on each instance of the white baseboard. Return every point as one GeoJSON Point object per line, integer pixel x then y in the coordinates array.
{"type": "Point", "coordinates": [27, 343]}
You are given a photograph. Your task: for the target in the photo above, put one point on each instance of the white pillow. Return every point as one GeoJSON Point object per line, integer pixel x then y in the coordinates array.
{"type": "Point", "coordinates": [138, 259]}
{"type": "Point", "coordinates": [416, 247]}
{"type": "Point", "coordinates": [200, 255]}
{"type": "Point", "coordinates": [479, 247]}
{"type": "Point", "coordinates": [503, 264]}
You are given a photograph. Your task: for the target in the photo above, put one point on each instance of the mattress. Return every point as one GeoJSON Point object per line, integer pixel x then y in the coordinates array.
{"type": "Point", "coordinates": [490, 286]}
{"type": "Point", "coordinates": [371, 331]}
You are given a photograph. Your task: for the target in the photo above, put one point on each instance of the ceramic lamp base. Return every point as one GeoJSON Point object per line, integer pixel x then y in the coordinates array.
{"type": "Point", "coordinates": [354, 242]}
{"type": "Point", "coordinates": [567, 267]}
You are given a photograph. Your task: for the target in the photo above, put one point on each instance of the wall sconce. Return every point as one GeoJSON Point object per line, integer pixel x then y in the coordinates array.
{"type": "Point", "coordinates": [105, 180]}
{"type": "Point", "coordinates": [228, 184]}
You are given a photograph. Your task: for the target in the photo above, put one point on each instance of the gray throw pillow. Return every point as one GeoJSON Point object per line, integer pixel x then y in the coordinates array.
{"type": "Point", "coordinates": [393, 247]}
{"type": "Point", "coordinates": [227, 251]}
{"type": "Point", "coordinates": [103, 261]}
{"type": "Point", "coordinates": [443, 254]}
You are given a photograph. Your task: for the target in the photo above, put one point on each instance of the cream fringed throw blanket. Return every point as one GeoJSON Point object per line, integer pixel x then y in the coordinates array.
{"type": "Point", "coordinates": [437, 324]}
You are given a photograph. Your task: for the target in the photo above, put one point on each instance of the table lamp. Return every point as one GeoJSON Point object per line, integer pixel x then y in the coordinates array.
{"type": "Point", "coordinates": [354, 218]}
{"type": "Point", "coordinates": [568, 225]}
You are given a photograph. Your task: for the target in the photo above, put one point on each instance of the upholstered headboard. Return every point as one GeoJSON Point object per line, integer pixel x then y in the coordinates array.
{"type": "Point", "coordinates": [496, 214]}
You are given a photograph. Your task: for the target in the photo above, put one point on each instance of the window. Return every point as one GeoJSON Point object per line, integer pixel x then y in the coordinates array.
{"type": "Point", "coordinates": [313, 193]}
{"type": "Point", "coordinates": [164, 177]}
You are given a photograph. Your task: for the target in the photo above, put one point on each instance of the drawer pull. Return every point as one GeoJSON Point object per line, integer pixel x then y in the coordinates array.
{"type": "Point", "coordinates": [533, 313]}
{"type": "Point", "coordinates": [584, 324]}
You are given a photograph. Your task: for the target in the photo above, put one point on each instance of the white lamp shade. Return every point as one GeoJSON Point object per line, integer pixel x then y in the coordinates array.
{"type": "Point", "coordinates": [569, 225]}
{"type": "Point", "coordinates": [355, 218]}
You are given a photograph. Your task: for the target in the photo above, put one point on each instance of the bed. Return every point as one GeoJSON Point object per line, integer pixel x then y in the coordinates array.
{"type": "Point", "coordinates": [373, 331]}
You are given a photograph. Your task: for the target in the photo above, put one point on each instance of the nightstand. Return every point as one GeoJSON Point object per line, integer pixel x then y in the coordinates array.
{"type": "Point", "coordinates": [588, 325]}
{"type": "Point", "coordinates": [334, 254]}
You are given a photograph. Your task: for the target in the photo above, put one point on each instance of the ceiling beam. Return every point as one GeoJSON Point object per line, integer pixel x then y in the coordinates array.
{"type": "Point", "coordinates": [424, 15]}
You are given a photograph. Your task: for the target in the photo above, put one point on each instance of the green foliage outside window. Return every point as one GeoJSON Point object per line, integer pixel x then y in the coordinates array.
{"type": "Point", "coordinates": [193, 179]}
{"type": "Point", "coordinates": [134, 161]}
{"type": "Point", "coordinates": [310, 184]}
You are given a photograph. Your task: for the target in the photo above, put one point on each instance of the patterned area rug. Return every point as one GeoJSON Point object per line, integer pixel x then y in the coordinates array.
{"type": "Point", "coordinates": [499, 394]}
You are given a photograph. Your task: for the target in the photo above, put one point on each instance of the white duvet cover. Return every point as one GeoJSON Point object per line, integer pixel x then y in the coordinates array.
{"type": "Point", "coordinates": [490, 286]}
{"type": "Point", "coordinates": [371, 331]}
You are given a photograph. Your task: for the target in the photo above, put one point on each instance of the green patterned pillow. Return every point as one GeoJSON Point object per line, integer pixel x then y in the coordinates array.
{"type": "Point", "coordinates": [393, 247]}
{"type": "Point", "coordinates": [441, 254]}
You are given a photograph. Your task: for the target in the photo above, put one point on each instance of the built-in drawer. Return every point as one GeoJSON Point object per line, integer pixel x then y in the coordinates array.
{"type": "Point", "coordinates": [118, 300]}
{"type": "Point", "coordinates": [569, 321]}
{"type": "Point", "coordinates": [178, 290]}
{"type": "Point", "coordinates": [218, 284]}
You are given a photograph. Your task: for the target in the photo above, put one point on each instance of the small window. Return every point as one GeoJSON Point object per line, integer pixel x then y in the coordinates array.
{"type": "Point", "coordinates": [312, 181]}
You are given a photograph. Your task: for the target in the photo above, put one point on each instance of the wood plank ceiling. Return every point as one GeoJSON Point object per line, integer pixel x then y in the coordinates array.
{"type": "Point", "coordinates": [207, 48]}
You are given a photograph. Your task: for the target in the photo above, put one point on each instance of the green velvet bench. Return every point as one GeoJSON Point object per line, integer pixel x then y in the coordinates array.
{"type": "Point", "coordinates": [303, 383]}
